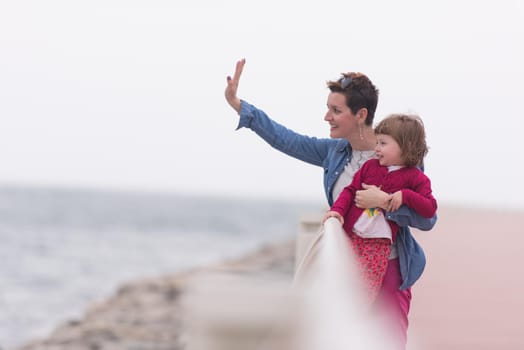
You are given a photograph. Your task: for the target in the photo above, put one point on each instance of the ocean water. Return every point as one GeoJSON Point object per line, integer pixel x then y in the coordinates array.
{"type": "Point", "coordinates": [63, 249]}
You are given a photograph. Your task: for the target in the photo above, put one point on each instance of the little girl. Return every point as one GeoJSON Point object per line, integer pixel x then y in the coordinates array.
{"type": "Point", "coordinates": [401, 147]}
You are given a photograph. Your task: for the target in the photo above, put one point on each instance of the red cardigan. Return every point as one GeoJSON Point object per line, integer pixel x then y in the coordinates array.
{"type": "Point", "coordinates": [414, 184]}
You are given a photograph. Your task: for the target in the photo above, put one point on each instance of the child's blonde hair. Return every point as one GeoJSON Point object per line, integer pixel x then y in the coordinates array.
{"type": "Point", "coordinates": [408, 132]}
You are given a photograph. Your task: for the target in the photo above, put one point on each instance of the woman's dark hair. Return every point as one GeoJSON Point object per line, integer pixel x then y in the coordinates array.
{"type": "Point", "coordinates": [359, 91]}
{"type": "Point", "coordinates": [408, 131]}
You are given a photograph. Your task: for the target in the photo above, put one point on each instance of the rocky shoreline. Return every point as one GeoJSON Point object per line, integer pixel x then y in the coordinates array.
{"type": "Point", "coordinates": [146, 314]}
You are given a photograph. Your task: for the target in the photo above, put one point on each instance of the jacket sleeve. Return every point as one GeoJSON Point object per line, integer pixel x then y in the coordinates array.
{"type": "Point", "coordinates": [412, 259]}
{"type": "Point", "coordinates": [308, 149]}
{"type": "Point", "coordinates": [420, 197]}
{"type": "Point", "coordinates": [405, 216]}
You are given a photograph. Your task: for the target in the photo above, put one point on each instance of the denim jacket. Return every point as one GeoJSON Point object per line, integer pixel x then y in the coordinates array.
{"type": "Point", "coordinates": [333, 155]}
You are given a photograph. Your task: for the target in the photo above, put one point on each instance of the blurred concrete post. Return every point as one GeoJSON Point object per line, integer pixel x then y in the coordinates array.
{"type": "Point", "coordinates": [308, 229]}
{"type": "Point", "coordinates": [326, 309]}
{"type": "Point", "coordinates": [237, 312]}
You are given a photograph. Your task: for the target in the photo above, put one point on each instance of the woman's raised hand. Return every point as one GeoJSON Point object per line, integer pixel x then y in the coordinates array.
{"type": "Point", "coordinates": [232, 86]}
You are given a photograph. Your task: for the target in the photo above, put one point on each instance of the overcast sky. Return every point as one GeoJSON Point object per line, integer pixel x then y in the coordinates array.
{"type": "Point", "coordinates": [129, 94]}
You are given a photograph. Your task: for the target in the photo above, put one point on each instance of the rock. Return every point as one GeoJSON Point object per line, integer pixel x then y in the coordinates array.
{"type": "Point", "coordinates": [146, 314]}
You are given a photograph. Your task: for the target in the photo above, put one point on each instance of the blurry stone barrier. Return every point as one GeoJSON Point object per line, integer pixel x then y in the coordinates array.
{"type": "Point", "coordinates": [233, 312]}
{"type": "Point", "coordinates": [308, 229]}
{"type": "Point", "coordinates": [320, 309]}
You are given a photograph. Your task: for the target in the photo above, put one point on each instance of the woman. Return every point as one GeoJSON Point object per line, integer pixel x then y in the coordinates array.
{"type": "Point", "coordinates": [351, 104]}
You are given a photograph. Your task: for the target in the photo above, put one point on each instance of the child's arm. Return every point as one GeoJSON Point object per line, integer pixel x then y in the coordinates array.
{"type": "Point", "coordinates": [333, 214]}
{"type": "Point", "coordinates": [346, 197]}
{"type": "Point", "coordinates": [419, 198]}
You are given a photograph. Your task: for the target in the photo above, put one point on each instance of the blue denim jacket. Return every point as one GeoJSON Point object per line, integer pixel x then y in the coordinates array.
{"type": "Point", "coordinates": [333, 155]}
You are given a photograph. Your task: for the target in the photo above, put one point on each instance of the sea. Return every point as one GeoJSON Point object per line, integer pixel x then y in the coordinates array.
{"type": "Point", "coordinates": [63, 249]}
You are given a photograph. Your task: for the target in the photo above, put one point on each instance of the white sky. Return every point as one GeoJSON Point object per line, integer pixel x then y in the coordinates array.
{"type": "Point", "coordinates": [129, 94]}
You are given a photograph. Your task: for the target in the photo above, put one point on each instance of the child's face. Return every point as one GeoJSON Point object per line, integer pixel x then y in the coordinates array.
{"type": "Point", "coordinates": [388, 151]}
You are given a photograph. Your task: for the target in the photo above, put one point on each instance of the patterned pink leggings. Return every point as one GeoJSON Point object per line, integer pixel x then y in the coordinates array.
{"type": "Point", "coordinates": [382, 281]}
{"type": "Point", "coordinates": [372, 257]}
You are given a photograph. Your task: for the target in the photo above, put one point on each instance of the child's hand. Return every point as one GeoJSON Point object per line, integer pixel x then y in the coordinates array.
{"type": "Point", "coordinates": [395, 201]}
{"type": "Point", "coordinates": [333, 214]}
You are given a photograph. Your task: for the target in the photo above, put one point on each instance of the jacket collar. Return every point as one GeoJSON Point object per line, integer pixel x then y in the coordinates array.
{"type": "Point", "coordinates": [344, 146]}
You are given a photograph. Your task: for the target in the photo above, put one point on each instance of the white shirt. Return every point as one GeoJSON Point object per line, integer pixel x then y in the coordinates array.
{"type": "Point", "coordinates": [358, 158]}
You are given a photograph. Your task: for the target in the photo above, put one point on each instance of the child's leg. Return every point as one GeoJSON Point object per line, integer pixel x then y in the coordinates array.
{"type": "Point", "coordinates": [372, 256]}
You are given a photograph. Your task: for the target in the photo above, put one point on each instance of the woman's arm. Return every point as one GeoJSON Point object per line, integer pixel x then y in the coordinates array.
{"type": "Point", "coordinates": [406, 216]}
{"type": "Point", "coordinates": [302, 147]}
{"type": "Point", "coordinates": [373, 197]}
{"type": "Point", "coordinates": [306, 148]}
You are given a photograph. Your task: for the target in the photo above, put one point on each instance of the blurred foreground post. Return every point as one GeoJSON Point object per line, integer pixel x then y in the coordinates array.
{"type": "Point", "coordinates": [234, 312]}
{"type": "Point", "coordinates": [308, 229]}
{"type": "Point", "coordinates": [321, 309]}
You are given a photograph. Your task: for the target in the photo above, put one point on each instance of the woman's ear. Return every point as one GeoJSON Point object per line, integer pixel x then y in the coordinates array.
{"type": "Point", "coordinates": [362, 114]}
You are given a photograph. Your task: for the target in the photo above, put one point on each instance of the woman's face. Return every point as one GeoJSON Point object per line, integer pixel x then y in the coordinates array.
{"type": "Point", "coordinates": [342, 122]}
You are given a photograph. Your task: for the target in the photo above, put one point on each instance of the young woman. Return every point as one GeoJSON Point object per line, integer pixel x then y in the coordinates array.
{"type": "Point", "coordinates": [351, 105]}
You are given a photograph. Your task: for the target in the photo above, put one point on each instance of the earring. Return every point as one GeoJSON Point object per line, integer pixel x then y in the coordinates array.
{"type": "Point", "coordinates": [360, 132]}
